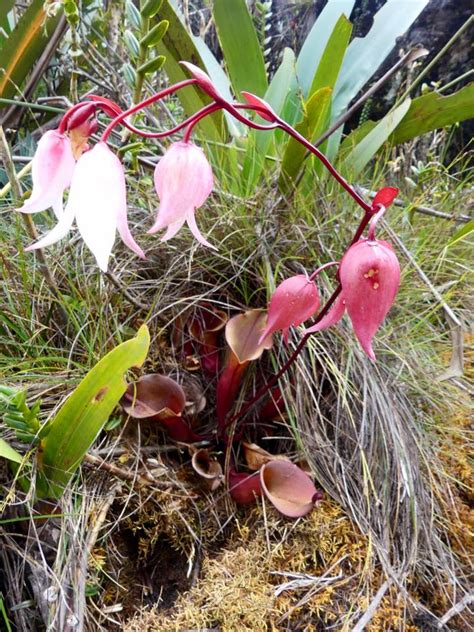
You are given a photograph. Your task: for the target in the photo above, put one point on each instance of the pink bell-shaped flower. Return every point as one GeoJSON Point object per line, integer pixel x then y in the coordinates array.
{"type": "Point", "coordinates": [370, 277]}
{"type": "Point", "coordinates": [183, 181]}
{"type": "Point", "coordinates": [295, 300]}
{"type": "Point", "coordinates": [51, 171]}
{"type": "Point", "coordinates": [98, 203]}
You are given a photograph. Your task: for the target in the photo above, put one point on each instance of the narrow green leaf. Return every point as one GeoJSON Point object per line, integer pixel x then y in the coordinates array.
{"type": "Point", "coordinates": [240, 45]}
{"type": "Point", "coordinates": [5, 25]}
{"type": "Point", "coordinates": [151, 8]}
{"type": "Point", "coordinates": [155, 34]}
{"type": "Point", "coordinates": [462, 233]}
{"type": "Point", "coordinates": [178, 45]}
{"type": "Point", "coordinates": [7, 452]}
{"type": "Point", "coordinates": [331, 59]}
{"type": "Point", "coordinates": [21, 50]}
{"type": "Point", "coordinates": [131, 43]}
{"type": "Point", "coordinates": [312, 125]}
{"type": "Point", "coordinates": [153, 65]}
{"type": "Point", "coordinates": [364, 151]}
{"type": "Point", "coordinates": [432, 111]}
{"type": "Point", "coordinates": [133, 14]}
{"type": "Point", "coordinates": [365, 55]}
{"type": "Point", "coordinates": [83, 415]}
{"type": "Point", "coordinates": [316, 42]}
{"type": "Point", "coordinates": [260, 144]}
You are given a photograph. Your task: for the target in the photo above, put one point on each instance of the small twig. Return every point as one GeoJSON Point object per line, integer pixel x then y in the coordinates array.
{"type": "Point", "coordinates": [113, 279]}
{"type": "Point", "coordinates": [412, 55]}
{"type": "Point", "coordinates": [456, 609]}
{"type": "Point", "coordinates": [425, 210]}
{"type": "Point", "coordinates": [127, 475]}
{"type": "Point", "coordinates": [436, 58]}
{"type": "Point", "coordinates": [371, 610]}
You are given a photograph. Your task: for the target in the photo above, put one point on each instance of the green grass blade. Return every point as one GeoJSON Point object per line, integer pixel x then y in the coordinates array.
{"type": "Point", "coordinates": [332, 57]}
{"type": "Point", "coordinates": [261, 144]}
{"type": "Point", "coordinates": [83, 415]}
{"type": "Point", "coordinates": [364, 151]}
{"type": "Point", "coordinates": [432, 111]}
{"type": "Point", "coordinates": [239, 42]}
{"type": "Point", "coordinates": [365, 55]}
{"type": "Point", "coordinates": [462, 233]}
{"type": "Point", "coordinates": [7, 452]}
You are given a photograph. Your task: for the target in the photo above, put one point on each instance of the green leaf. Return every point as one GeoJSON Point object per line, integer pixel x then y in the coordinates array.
{"type": "Point", "coordinates": [83, 415]}
{"type": "Point", "coordinates": [239, 42]}
{"type": "Point", "coordinates": [22, 49]}
{"type": "Point", "coordinates": [150, 8]}
{"type": "Point", "coordinates": [7, 452]}
{"type": "Point", "coordinates": [5, 26]}
{"type": "Point", "coordinates": [365, 55]}
{"type": "Point", "coordinates": [152, 65]}
{"type": "Point", "coordinates": [462, 233]}
{"type": "Point", "coordinates": [133, 14]}
{"type": "Point", "coordinates": [155, 34]}
{"type": "Point", "coordinates": [178, 45]}
{"type": "Point", "coordinates": [432, 111]}
{"type": "Point", "coordinates": [316, 42]}
{"type": "Point", "coordinates": [312, 125]}
{"type": "Point", "coordinates": [333, 55]}
{"type": "Point", "coordinates": [364, 151]}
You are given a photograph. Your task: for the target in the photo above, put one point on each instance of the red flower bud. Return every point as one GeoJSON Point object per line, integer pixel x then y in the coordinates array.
{"type": "Point", "coordinates": [384, 197]}
{"type": "Point", "coordinates": [370, 277]}
{"type": "Point", "coordinates": [294, 301]}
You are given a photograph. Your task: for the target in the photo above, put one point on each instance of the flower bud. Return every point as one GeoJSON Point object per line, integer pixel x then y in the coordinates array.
{"type": "Point", "coordinates": [294, 301]}
{"type": "Point", "coordinates": [370, 277]}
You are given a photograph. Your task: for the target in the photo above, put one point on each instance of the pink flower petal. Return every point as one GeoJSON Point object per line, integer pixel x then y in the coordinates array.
{"type": "Point", "coordinates": [172, 230]}
{"type": "Point", "coordinates": [191, 220]}
{"type": "Point", "coordinates": [96, 196]}
{"type": "Point", "coordinates": [58, 232]}
{"type": "Point", "coordinates": [331, 318]}
{"type": "Point", "coordinates": [183, 181]}
{"type": "Point", "coordinates": [52, 168]}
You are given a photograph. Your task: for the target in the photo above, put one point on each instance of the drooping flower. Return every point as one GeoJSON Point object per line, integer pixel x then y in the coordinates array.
{"type": "Point", "coordinates": [183, 181]}
{"type": "Point", "coordinates": [295, 300]}
{"type": "Point", "coordinates": [51, 171]}
{"type": "Point", "coordinates": [98, 203]}
{"type": "Point", "coordinates": [370, 277]}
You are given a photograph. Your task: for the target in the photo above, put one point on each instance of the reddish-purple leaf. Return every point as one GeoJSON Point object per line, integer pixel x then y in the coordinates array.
{"type": "Point", "coordinates": [244, 488]}
{"type": "Point", "coordinates": [154, 395]}
{"type": "Point", "coordinates": [288, 488]}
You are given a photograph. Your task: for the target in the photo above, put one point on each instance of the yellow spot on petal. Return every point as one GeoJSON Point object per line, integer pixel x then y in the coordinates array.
{"type": "Point", "coordinates": [375, 286]}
